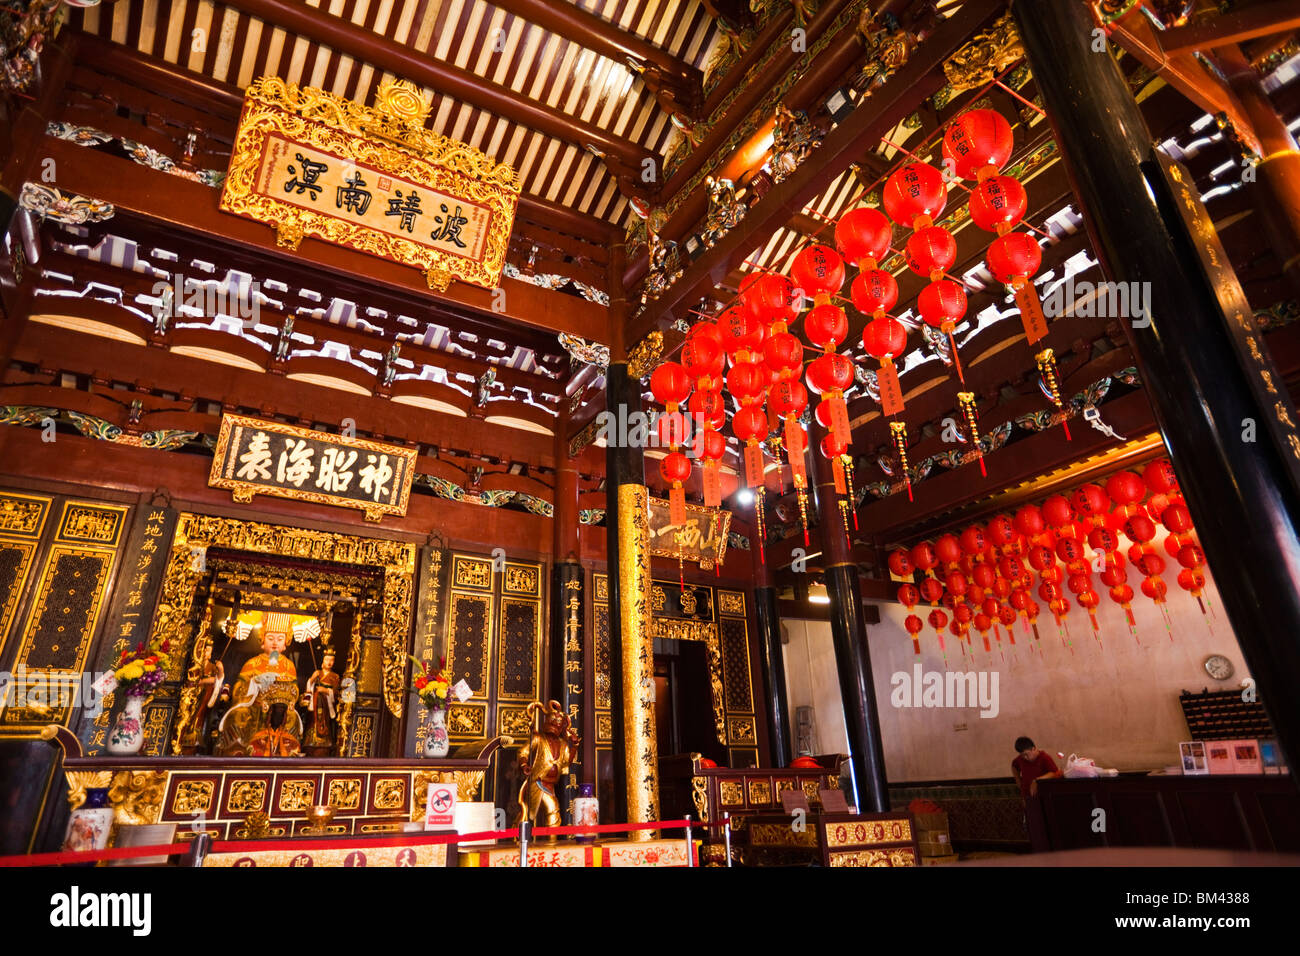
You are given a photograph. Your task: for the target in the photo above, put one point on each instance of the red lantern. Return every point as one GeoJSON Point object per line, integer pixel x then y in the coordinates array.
{"type": "Point", "coordinates": [675, 467]}
{"type": "Point", "coordinates": [767, 297]}
{"type": "Point", "coordinates": [829, 373]}
{"type": "Point", "coordinates": [997, 204]}
{"type": "Point", "coordinates": [1191, 556]}
{"type": "Point", "coordinates": [1102, 539]}
{"type": "Point", "coordinates": [942, 304]}
{"type": "Point", "coordinates": [914, 191]}
{"type": "Point", "coordinates": [884, 338]}
{"type": "Point", "coordinates": [708, 406]}
{"type": "Point", "coordinates": [972, 540]}
{"type": "Point", "coordinates": [948, 549]}
{"type": "Point", "coordinates": [741, 333]}
{"type": "Point", "coordinates": [930, 252]}
{"type": "Point", "coordinates": [750, 424]}
{"type": "Point", "coordinates": [874, 292]}
{"type": "Point", "coordinates": [1067, 549]}
{"type": "Point", "coordinates": [956, 583]}
{"type": "Point", "coordinates": [1155, 589]}
{"type": "Point", "coordinates": [1029, 521]}
{"type": "Point", "coordinates": [984, 575]}
{"type": "Point", "coordinates": [826, 326]}
{"type": "Point", "coordinates": [1057, 511]}
{"type": "Point", "coordinates": [746, 381]}
{"type": "Point", "coordinates": [783, 353]}
{"type": "Point", "coordinates": [1001, 530]}
{"type": "Point", "coordinates": [670, 384]}
{"type": "Point", "coordinates": [938, 619]}
{"type": "Point", "coordinates": [818, 271]}
{"type": "Point", "coordinates": [1040, 559]}
{"type": "Point", "coordinates": [1013, 258]}
{"type": "Point", "coordinates": [923, 556]}
{"type": "Point", "coordinates": [1125, 488]}
{"type": "Point", "coordinates": [709, 444]}
{"type": "Point", "coordinates": [672, 428]}
{"type": "Point", "coordinates": [900, 563]}
{"type": "Point", "coordinates": [978, 142]}
{"type": "Point", "coordinates": [789, 398]}
{"type": "Point", "coordinates": [1140, 528]}
{"type": "Point", "coordinates": [1159, 477]}
{"type": "Point", "coordinates": [932, 590]}
{"type": "Point", "coordinates": [863, 236]}
{"type": "Point", "coordinates": [1089, 501]}
{"type": "Point", "coordinates": [1177, 519]}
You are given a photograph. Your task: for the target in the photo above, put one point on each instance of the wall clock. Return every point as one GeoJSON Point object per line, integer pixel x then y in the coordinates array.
{"type": "Point", "coordinates": [1218, 667]}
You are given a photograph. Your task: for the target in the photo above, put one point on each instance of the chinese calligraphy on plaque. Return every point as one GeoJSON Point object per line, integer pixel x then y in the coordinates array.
{"type": "Point", "coordinates": [702, 539]}
{"type": "Point", "coordinates": [257, 457]}
{"type": "Point", "coordinates": [371, 178]}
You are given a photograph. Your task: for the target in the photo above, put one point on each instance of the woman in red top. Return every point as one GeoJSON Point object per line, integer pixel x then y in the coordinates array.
{"type": "Point", "coordinates": [1031, 766]}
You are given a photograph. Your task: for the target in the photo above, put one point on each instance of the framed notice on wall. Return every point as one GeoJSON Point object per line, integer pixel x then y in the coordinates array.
{"type": "Point", "coordinates": [268, 458]}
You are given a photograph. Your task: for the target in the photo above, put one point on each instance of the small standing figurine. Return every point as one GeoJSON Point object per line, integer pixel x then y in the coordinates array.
{"type": "Point", "coordinates": [322, 688]}
{"type": "Point", "coordinates": [210, 676]}
{"type": "Point", "coordinates": [553, 746]}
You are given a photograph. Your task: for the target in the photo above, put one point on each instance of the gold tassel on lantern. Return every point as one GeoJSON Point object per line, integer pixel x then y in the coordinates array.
{"type": "Point", "coordinates": [899, 432]}
{"type": "Point", "coordinates": [848, 481]}
{"type": "Point", "coordinates": [967, 402]}
{"type": "Point", "coordinates": [795, 445]}
{"type": "Point", "coordinates": [1046, 360]}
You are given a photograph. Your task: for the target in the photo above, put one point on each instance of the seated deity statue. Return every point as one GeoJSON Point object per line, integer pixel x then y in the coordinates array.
{"type": "Point", "coordinates": [265, 680]}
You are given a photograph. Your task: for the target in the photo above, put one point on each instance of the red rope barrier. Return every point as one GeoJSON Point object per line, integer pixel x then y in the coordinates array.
{"type": "Point", "coordinates": [328, 843]}
{"type": "Point", "coordinates": [89, 856]}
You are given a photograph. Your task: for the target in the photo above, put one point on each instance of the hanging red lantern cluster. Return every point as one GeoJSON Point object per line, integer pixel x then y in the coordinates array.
{"type": "Point", "coordinates": [985, 574]}
{"type": "Point", "coordinates": [914, 195]}
{"type": "Point", "coordinates": [671, 385]}
{"type": "Point", "coordinates": [703, 360]}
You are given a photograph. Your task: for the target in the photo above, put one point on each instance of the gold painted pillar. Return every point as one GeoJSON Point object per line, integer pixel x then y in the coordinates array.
{"type": "Point", "coordinates": [631, 647]}
{"type": "Point", "coordinates": [640, 746]}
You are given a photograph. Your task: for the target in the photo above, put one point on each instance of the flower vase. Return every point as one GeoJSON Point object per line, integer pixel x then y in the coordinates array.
{"type": "Point", "coordinates": [128, 731]}
{"type": "Point", "coordinates": [90, 824]}
{"type": "Point", "coordinates": [436, 743]}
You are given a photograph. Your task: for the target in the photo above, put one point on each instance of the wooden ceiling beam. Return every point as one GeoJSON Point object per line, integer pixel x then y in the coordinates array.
{"type": "Point", "coordinates": [445, 79]}
{"type": "Point", "coordinates": [1259, 20]}
{"type": "Point", "coordinates": [678, 86]}
{"type": "Point", "coordinates": [188, 207]}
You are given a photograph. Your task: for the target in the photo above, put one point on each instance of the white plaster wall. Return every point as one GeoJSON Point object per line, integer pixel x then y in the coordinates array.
{"type": "Point", "coordinates": [1116, 702]}
{"type": "Point", "coordinates": [810, 680]}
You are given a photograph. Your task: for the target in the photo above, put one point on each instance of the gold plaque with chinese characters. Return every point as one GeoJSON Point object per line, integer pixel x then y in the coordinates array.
{"type": "Point", "coordinates": [257, 457]}
{"type": "Point", "coordinates": [373, 179]}
{"type": "Point", "coordinates": [701, 540]}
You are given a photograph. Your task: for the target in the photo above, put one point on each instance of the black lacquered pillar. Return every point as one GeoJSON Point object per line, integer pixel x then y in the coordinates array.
{"type": "Point", "coordinates": [849, 632]}
{"type": "Point", "coordinates": [1241, 494]}
{"type": "Point", "coordinates": [568, 642]}
{"type": "Point", "coordinates": [769, 635]}
{"type": "Point", "coordinates": [627, 517]}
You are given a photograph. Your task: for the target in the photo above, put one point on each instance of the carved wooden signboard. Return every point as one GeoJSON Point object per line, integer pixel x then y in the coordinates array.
{"type": "Point", "coordinates": [373, 179]}
{"type": "Point", "coordinates": [257, 457]}
{"type": "Point", "coordinates": [703, 538]}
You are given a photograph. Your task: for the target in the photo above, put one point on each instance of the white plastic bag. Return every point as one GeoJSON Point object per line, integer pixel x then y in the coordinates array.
{"type": "Point", "coordinates": [1081, 767]}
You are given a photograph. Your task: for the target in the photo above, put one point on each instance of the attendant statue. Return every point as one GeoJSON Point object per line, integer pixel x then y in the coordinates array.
{"type": "Point", "coordinates": [322, 690]}
{"type": "Point", "coordinates": [274, 740]}
{"type": "Point", "coordinates": [552, 747]}
{"type": "Point", "coordinates": [265, 680]}
{"type": "Point", "coordinates": [210, 676]}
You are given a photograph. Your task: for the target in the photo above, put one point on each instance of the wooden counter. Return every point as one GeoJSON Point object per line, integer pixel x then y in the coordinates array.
{"type": "Point", "coordinates": [1231, 812]}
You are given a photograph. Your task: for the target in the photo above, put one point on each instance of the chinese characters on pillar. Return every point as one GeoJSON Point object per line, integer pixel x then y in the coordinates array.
{"type": "Point", "coordinates": [257, 457]}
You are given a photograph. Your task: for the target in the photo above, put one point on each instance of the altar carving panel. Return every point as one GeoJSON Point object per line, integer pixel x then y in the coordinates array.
{"type": "Point", "coordinates": [600, 658]}
{"type": "Point", "coordinates": [521, 635]}
{"type": "Point", "coordinates": [735, 664]}
{"type": "Point", "coordinates": [15, 563]}
{"type": "Point", "coordinates": [23, 515]}
{"type": "Point", "coordinates": [469, 640]}
{"type": "Point", "coordinates": [68, 603]}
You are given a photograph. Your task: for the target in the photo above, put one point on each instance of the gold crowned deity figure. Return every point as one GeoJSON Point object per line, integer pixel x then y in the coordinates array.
{"type": "Point", "coordinates": [266, 679]}
{"type": "Point", "coordinates": [552, 747]}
